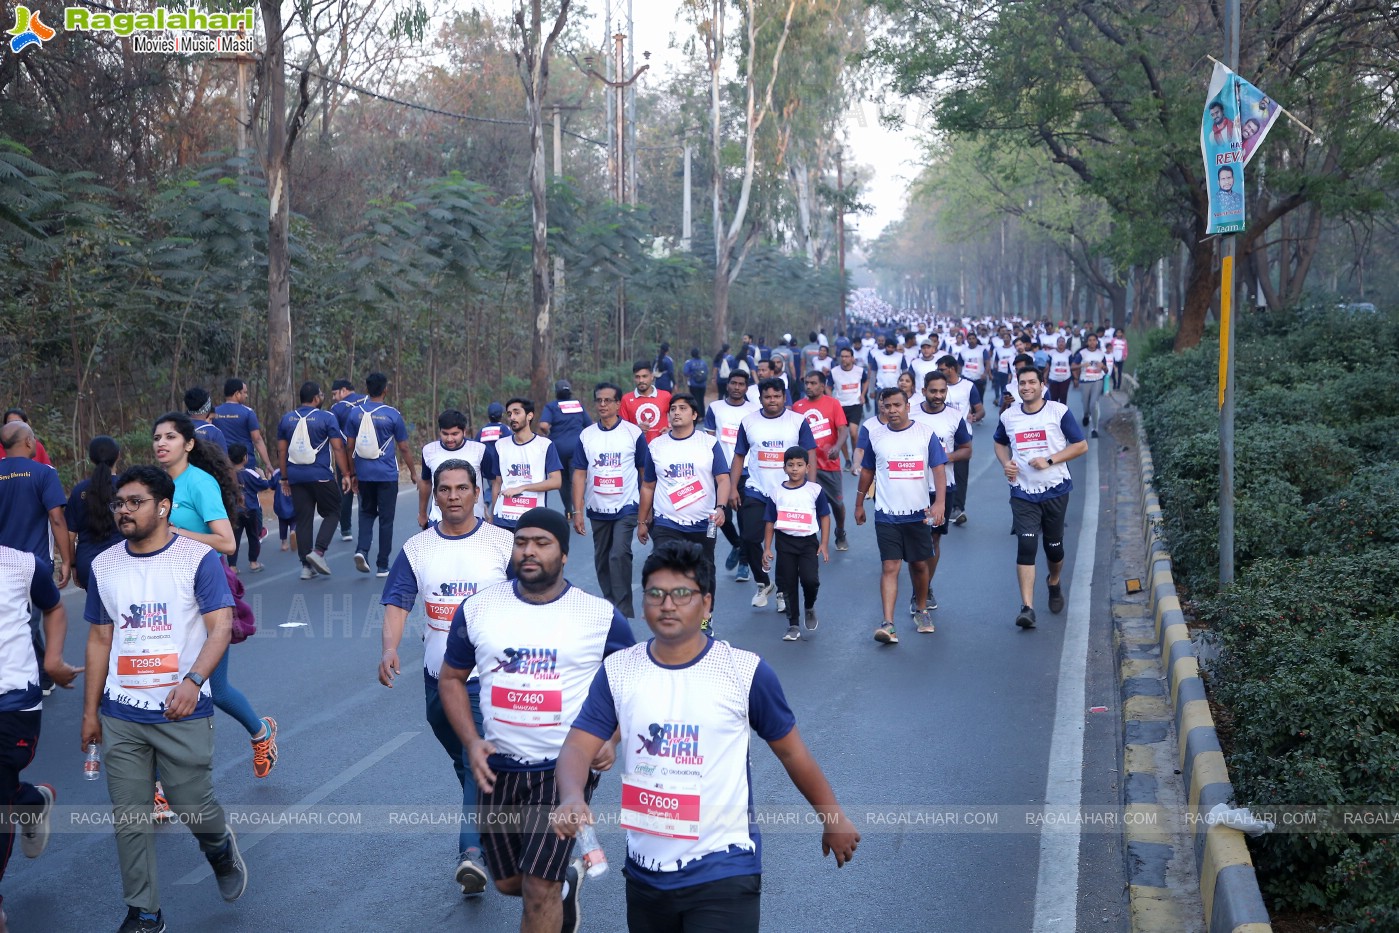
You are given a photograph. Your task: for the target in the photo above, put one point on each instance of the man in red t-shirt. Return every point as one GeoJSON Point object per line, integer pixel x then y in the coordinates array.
{"type": "Point", "coordinates": [827, 420]}
{"type": "Point", "coordinates": [648, 407]}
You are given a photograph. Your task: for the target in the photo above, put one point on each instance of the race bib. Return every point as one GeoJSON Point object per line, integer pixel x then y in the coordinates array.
{"type": "Point", "coordinates": [512, 507]}
{"type": "Point", "coordinates": [849, 387]}
{"type": "Point", "coordinates": [571, 407]}
{"type": "Point", "coordinates": [795, 522]}
{"type": "Point", "coordinates": [525, 700]}
{"type": "Point", "coordinates": [144, 671]}
{"type": "Point", "coordinates": [770, 459]}
{"type": "Point", "coordinates": [820, 427]}
{"type": "Point", "coordinates": [607, 485]}
{"type": "Point", "coordinates": [668, 807]}
{"type": "Point", "coordinates": [439, 614]}
{"type": "Point", "coordinates": [907, 469]}
{"type": "Point", "coordinates": [1031, 444]}
{"type": "Point", "coordinates": [729, 435]}
{"type": "Point", "coordinates": [686, 495]}
{"type": "Point", "coordinates": [1060, 372]}
{"type": "Point", "coordinates": [490, 432]}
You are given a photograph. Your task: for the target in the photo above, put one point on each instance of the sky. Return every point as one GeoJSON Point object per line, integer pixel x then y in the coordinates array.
{"type": "Point", "coordinates": [892, 155]}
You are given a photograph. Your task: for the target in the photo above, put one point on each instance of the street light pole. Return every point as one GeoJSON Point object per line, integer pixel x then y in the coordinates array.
{"type": "Point", "coordinates": [840, 231]}
{"type": "Point", "coordinates": [1226, 349]}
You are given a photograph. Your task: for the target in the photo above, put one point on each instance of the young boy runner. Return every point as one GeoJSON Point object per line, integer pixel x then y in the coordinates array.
{"type": "Point", "coordinates": [799, 519]}
{"type": "Point", "coordinates": [250, 521]}
{"type": "Point", "coordinates": [685, 705]}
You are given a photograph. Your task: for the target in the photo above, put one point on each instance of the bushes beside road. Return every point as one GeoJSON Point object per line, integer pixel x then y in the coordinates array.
{"type": "Point", "coordinates": [1308, 636]}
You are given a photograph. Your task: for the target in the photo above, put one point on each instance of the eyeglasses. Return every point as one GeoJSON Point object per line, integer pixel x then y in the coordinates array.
{"type": "Point", "coordinates": [680, 596]}
{"type": "Point", "coordinates": [128, 505]}
{"type": "Point", "coordinates": [606, 401]}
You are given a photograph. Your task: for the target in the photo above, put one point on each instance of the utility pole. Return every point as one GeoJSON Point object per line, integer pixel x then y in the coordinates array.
{"type": "Point", "coordinates": [686, 211]}
{"type": "Point", "coordinates": [840, 230]}
{"type": "Point", "coordinates": [558, 176]}
{"type": "Point", "coordinates": [1226, 350]}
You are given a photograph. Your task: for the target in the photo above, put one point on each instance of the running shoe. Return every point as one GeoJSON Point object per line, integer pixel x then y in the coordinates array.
{"type": "Point", "coordinates": [307, 573]}
{"type": "Point", "coordinates": [161, 811]}
{"type": "Point", "coordinates": [34, 837]}
{"type": "Point", "coordinates": [811, 622]}
{"type": "Point", "coordinates": [956, 517]}
{"type": "Point", "coordinates": [913, 605]}
{"type": "Point", "coordinates": [781, 603]}
{"type": "Point", "coordinates": [961, 518]}
{"type": "Point", "coordinates": [731, 562]}
{"type": "Point", "coordinates": [470, 875]}
{"type": "Point", "coordinates": [1026, 617]}
{"type": "Point", "coordinates": [842, 543]}
{"type": "Point", "coordinates": [760, 598]}
{"type": "Point", "coordinates": [134, 924]}
{"type": "Point", "coordinates": [744, 573]}
{"type": "Point", "coordinates": [1093, 433]}
{"type": "Point", "coordinates": [229, 869]}
{"type": "Point", "coordinates": [924, 622]}
{"type": "Point", "coordinates": [793, 634]}
{"type": "Point", "coordinates": [317, 562]}
{"type": "Point", "coordinates": [381, 572]}
{"type": "Point", "coordinates": [265, 749]}
{"type": "Point", "coordinates": [345, 536]}
{"type": "Point", "coordinates": [932, 600]}
{"type": "Point", "coordinates": [1085, 421]}
{"type": "Point", "coordinates": [886, 635]}
{"type": "Point", "coordinates": [361, 563]}
{"type": "Point", "coordinates": [1056, 597]}
{"type": "Point", "coordinates": [573, 886]}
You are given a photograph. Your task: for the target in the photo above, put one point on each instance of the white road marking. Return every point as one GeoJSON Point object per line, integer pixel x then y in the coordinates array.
{"type": "Point", "coordinates": [1056, 889]}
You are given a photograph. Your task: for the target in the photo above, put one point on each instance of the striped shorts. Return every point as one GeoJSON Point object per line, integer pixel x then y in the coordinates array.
{"type": "Point", "coordinates": [516, 838]}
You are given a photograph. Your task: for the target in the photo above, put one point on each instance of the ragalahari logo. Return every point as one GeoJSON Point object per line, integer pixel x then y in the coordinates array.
{"type": "Point", "coordinates": [29, 30]}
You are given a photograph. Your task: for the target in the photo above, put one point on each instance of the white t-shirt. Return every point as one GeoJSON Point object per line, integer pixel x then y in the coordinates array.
{"type": "Point", "coordinates": [522, 465]}
{"type": "Point", "coordinates": [948, 425]}
{"type": "Point", "coordinates": [763, 442]}
{"type": "Point", "coordinates": [902, 462]}
{"type": "Point", "coordinates": [614, 458]}
{"type": "Point", "coordinates": [434, 455]}
{"type": "Point", "coordinates": [1059, 366]}
{"type": "Point", "coordinates": [847, 384]}
{"type": "Point", "coordinates": [722, 420]}
{"type": "Point", "coordinates": [684, 472]}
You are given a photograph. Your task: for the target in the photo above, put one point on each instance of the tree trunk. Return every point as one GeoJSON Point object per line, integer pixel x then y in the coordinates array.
{"type": "Point", "coordinates": [1199, 293]}
{"type": "Point", "coordinates": [279, 349]}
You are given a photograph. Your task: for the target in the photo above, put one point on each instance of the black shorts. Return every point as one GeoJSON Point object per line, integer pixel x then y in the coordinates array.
{"type": "Point", "coordinates": [854, 414]}
{"type": "Point", "coordinates": [516, 838]}
{"type": "Point", "coordinates": [1039, 518]}
{"type": "Point", "coordinates": [831, 482]}
{"type": "Point", "coordinates": [906, 541]}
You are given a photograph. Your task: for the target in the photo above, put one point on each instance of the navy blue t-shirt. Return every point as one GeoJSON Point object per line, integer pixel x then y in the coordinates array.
{"type": "Point", "coordinates": [28, 490]}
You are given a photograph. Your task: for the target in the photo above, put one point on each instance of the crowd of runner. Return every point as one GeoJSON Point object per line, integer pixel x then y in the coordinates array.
{"type": "Point", "coordinates": [530, 684]}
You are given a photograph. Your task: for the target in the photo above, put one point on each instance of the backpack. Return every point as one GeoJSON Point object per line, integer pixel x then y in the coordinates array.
{"type": "Point", "coordinates": [699, 372]}
{"type": "Point", "coordinates": [367, 439]}
{"type": "Point", "coordinates": [300, 451]}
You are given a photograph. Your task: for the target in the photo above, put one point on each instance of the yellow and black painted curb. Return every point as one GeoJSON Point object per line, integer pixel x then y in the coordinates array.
{"type": "Point", "coordinates": [1228, 886]}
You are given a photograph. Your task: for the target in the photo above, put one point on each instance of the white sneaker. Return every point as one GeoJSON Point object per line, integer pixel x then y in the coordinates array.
{"type": "Point", "coordinates": [34, 835]}
{"type": "Point", "coordinates": [318, 563]}
{"type": "Point", "coordinates": [760, 598]}
{"type": "Point", "coordinates": [781, 603]}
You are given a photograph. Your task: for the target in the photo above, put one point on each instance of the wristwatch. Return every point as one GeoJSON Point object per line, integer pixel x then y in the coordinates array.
{"type": "Point", "coordinates": [1049, 460]}
{"type": "Point", "coordinates": [195, 678]}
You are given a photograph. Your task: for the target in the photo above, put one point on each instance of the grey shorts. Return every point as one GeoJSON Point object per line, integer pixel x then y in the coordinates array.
{"type": "Point", "coordinates": [830, 482]}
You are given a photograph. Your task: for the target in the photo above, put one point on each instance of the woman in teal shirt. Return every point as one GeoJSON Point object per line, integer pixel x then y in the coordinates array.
{"type": "Point", "coordinates": [206, 495]}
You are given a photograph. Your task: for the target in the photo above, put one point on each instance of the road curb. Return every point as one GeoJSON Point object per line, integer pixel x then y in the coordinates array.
{"type": "Point", "coordinates": [1228, 885]}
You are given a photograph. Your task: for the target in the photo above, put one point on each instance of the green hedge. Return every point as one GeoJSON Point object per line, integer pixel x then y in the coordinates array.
{"type": "Point", "coordinates": [1308, 635]}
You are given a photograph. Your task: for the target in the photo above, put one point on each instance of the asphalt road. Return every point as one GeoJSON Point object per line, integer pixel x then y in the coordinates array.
{"type": "Point", "coordinates": [981, 720]}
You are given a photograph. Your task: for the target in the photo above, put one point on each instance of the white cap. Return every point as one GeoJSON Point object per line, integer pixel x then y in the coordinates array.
{"type": "Point", "coordinates": [787, 338]}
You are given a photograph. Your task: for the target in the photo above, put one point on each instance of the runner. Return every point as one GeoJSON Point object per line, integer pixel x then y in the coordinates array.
{"type": "Point", "coordinates": [963, 397]}
{"type": "Point", "coordinates": [492, 430]}
{"type": "Point", "coordinates": [200, 407]}
{"type": "Point", "coordinates": [647, 405]}
{"type": "Point", "coordinates": [607, 488]}
{"type": "Point", "coordinates": [799, 516]}
{"type": "Point", "coordinates": [249, 518]}
{"type": "Point", "coordinates": [376, 431]}
{"type": "Point", "coordinates": [205, 495]}
{"type": "Point", "coordinates": [90, 524]}
{"type": "Point", "coordinates": [665, 369]}
{"type": "Point", "coordinates": [522, 468]}
{"type": "Point", "coordinates": [850, 384]}
{"type": "Point", "coordinates": [722, 420]}
{"type": "Point", "coordinates": [537, 643]}
{"type": "Point", "coordinates": [562, 421]}
{"type": "Point", "coordinates": [1059, 374]}
{"type": "Point", "coordinates": [26, 581]}
{"type": "Point", "coordinates": [823, 362]}
{"type": "Point", "coordinates": [952, 432]}
{"type": "Point", "coordinates": [974, 362]}
{"type": "Point", "coordinates": [1091, 367]}
{"type": "Point", "coordinates": [767, 434]}
{"type": "Point", "coordinates": [1034, 442]}
{"type": "Point", "coordinates": [448, 563]}
{"type": "Point", "coordinates": [829, 429]}
{"type": "Point", "coordinates": [685, 479]}
{"type": "Point", "coordinates": [696, 372]}
{"type": "Point", "coordinates": [1119, 357]}
{"type": "Point", "coordinates": [886, 365]}
{"type": "Point", "coordinates": [898, 462]}
{"type": "Point", "coordinates": [346, 400]}
{"type": "Point", "coordinates": [173, 600]}
{"type": "Point", "coordinates": [239, 424]}
{"type": "Point", "coordinates": [307, 439]}
{"type": "Point", "coordinates": [925, 362]}
{"type": "Point", "coordinates": [453, 443]}
{"type": "Point", "coordinates": [703, 876]}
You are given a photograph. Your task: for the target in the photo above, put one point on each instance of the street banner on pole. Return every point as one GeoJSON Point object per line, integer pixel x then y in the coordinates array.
{"type": "Point", "coordinates": [1257, 114]}
{"type": "Point", "coordinates": [1222, 144]}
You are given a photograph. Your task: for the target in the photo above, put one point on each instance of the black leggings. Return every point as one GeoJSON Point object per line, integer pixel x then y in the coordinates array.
{"type": "Point", "coordinates": [798, 560]}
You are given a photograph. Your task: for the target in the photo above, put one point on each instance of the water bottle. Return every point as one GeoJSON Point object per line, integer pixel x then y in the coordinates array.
{"type": "Point", "coordinates": [92, 764]}
{"type": "Point", "coordinates": [710, 531]}
{"type": "Point", "coordinates": [594, 859]}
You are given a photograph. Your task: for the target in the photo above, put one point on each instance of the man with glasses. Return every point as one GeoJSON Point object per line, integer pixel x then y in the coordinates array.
{"type": "Point", "coordinates": [148, 699]}
{"type": "Point", "coordinates": [693, 856]}
{"type": "Point", "coordinates": [606, 488]}
{"type": "Point", "coordinates": [537, 643]}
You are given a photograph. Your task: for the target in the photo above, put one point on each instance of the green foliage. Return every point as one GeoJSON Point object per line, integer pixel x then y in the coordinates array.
{"type": "Point", "coordinates": [1308, 633]}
